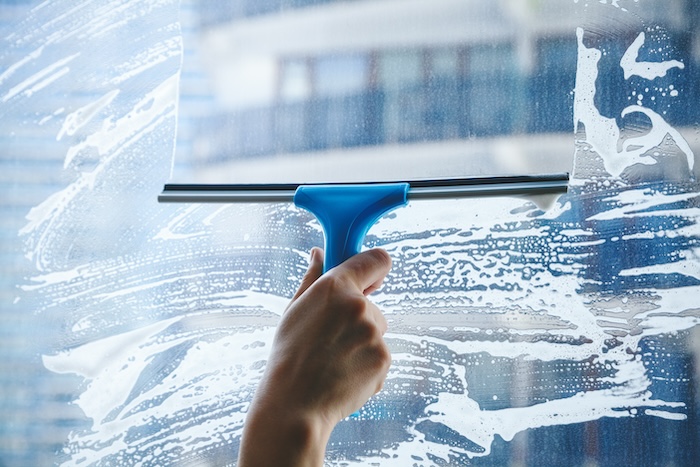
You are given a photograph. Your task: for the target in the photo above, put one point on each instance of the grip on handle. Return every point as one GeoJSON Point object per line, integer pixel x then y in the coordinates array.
{"type": "Point", "coordinates": [346, 213]}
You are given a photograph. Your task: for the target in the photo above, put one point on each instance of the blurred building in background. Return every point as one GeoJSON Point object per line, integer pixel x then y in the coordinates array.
{"type": "Point", "coordinates": [264, 78]}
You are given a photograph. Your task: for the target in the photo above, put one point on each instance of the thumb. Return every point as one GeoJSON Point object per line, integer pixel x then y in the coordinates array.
{"type": "Point", "coordinates": [366, 270]}
{"type": "Point", "coordinates": [313, 273]}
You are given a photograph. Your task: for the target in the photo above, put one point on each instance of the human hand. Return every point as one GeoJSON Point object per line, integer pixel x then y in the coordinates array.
{"type": "Point", "coordinates": [328, 357]}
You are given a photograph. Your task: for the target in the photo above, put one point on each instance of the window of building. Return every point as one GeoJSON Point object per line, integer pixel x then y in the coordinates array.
{"type": "Point", "coordinates": [342, 74]}
{"type": "Point", "coordinates": [296, 81]}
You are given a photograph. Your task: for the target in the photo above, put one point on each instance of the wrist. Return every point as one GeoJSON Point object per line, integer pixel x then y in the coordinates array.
{"type": "Point", "coordinates": [278, 436]}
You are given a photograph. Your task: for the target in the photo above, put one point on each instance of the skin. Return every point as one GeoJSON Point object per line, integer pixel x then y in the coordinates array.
{"type": "Point", "coordinates": [328, 358]}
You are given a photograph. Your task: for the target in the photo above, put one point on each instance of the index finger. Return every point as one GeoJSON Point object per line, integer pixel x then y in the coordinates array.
{"type": "Point", "coordinates": [367, 269]}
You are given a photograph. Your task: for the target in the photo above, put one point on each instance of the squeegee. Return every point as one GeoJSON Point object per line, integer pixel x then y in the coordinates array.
{"type": "Point", "coordinates": [346, 211]}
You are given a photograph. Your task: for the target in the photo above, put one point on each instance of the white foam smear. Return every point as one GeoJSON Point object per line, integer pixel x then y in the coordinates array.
{"type": "Point", "coordinates": [76, 120]}
{"type": "Point", "coordinates": [109, 143]}
{"type": "Point", "coordinates": [646, 70]}
{"type": "Point", "coordinates": [40, 79]}
{"type": "Point", "coordinates": [118, 399]}
{"type": "Point", "coordinates": [603, 133]}
{"type": "Point", "coordinates": [503, 318]}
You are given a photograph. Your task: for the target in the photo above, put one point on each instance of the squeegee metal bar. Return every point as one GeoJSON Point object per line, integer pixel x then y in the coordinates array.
{"type": "Point", "coordinates": [419, 189]}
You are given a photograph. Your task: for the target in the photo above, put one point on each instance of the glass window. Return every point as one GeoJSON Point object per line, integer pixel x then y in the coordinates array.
{"type": "Point", "coordinates": [341, 74]}
{"type": "Point", "coordinates": [134, 333]}
{"type": "Point", "coordinates": [401, 69]}
{"type": "Point", "coordinates": [296, 80]}
{"type": "Point", "coordinates": [492, 59]}
{"type": "Point", "coordinates": [445, 63]}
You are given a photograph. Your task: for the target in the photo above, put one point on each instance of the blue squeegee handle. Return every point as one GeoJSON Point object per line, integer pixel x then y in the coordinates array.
{"type": "Point", "coordinates": [346, 213]}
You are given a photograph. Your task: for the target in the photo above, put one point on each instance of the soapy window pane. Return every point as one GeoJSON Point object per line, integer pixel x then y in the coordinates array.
{"type": "Point", "coordinates": [135, 333]}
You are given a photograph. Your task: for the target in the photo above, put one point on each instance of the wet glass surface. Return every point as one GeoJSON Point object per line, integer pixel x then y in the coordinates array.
{"type": "Point", "coordinates": [135, 333]}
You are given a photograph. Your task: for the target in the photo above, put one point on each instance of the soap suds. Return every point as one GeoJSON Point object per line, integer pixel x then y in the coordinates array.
{"type": "Point", "coordinates": [647, 70]}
